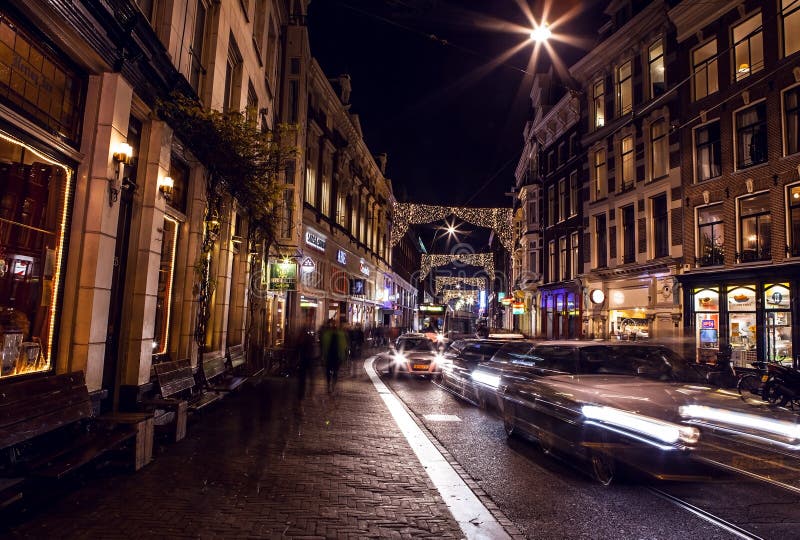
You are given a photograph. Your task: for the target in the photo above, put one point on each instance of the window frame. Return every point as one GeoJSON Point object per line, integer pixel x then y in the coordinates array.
{"type": "Point", "coordinates": [551, 263]}
{"type": "Point", "coordinates": [795, 89]}
{"type": "Point", "coordinates": [551, 206]}
{"type": "Point", "coordinates": [696, 148]}
{"type": "Point", "coordinates": [562, 199]}
{"type": "Point", "coordinates": [737, 131]}
{"type": "Point", "coordinates": [783, 16]}
{"type": "Point", "coordinates": [651, 63]}
{"type": "Point", "coordinates": [662, 139]}
{"type": "Point", "coordinates": [713, 260]}
{"type": "Point", "coordinates": [628, 218]}
{"type": "Point", "coordinates": [574, 239]}
{"type": "Point", "coordinates": [738, 73]}
{"type": "Point", "coordinates": [660, 223]}
{"type": "Point", "coordinates": [574, 191]}
{"type": "Point", "coordinates": [623, 109]}
{"type": "Point", "coordinates": [600, 182]}
{"type": "Point", "coordinates": [710, 65]}
{"type": "Point", "coordinates": [793, 240]}
{"type": "Point", "coordinates": [599, 103]}
{"type": "Point", "coordinates": [623, 185]}
{"type": "Point", "coordinates": [766, 255]}
{"type": "Point", "coordinates": [562, 258]}
{"type": "Point", "coordinates": [601, 247]}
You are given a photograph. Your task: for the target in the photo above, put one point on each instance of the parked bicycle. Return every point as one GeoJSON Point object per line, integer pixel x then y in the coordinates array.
{"type": "Point", "coordinates": [781, 385]}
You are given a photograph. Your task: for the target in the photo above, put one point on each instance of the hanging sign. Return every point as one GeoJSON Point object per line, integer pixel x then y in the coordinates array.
{"type": "Point", "coordinates": [282, 276]}
{"type": "Point", "coordinates": [308, 265]}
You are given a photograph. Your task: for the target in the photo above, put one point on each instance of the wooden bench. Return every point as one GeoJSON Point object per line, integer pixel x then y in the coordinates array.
{"type": "Point", "coordinates": [48, 420]}
{"type": "Point", "coordinates": [217, 375]}
{"type": "Point", "coordinates": [178, 394]}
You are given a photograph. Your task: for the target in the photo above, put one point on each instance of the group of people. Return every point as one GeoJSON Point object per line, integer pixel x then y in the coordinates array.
{"type": "Point", "coordinates": [333, 345]}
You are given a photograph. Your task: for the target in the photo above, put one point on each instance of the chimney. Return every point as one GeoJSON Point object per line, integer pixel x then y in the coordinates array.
{"type": "Point", "coordinates": [381, 159]}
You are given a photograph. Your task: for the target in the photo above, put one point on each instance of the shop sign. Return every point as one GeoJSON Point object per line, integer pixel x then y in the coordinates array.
{"type": "Point", "coordinates": [431, 308]}
{"type": "Point", "coordinates": [341, 257]}
{"type": "Point", "coordinates": [707, 323]}
{"type": "Point", "coordinates": [362, 266]}
{"type": "Point", "coordinates": [741, 299]}
{"type": "Point", "coordinates": [306, 302]}
{"type": "Point", "coordinates": [518, 308]}
{"type": "Point", "coordinates": [777, 297]}
{"type": "Point", "coordinates": [282, 276]}
{"type": "Point", "coordinates": [597, 296]}
{"type": "Point", "coordinates": [506, 301]}
{"type": "Point", "coordinates": [315, 240]}
{"type": "Point", "coordinates": [308, 265]}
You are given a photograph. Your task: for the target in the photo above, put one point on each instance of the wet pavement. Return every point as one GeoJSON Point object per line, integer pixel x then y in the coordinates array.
{"type": "Point", "coordinates": [263, 464]}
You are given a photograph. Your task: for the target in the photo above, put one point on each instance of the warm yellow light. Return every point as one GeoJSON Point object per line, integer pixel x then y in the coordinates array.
{"type": "Point", "coordinates": [744, 68]}
{"type": "Point", "coordinates": [796, 195]}
{"type": "Point", "coordinates": [122, 151]}
{"type": "Point", "coordinates": [541, 33]}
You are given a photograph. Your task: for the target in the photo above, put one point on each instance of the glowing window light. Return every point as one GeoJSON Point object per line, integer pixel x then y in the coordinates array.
{"type": "Point", "coordinates": [170, 282]}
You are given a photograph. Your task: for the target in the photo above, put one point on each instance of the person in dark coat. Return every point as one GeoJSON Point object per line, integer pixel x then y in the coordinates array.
{"type": "Point", "coordinates": [333, 342]}
{"type": "Point", "coordinates": [307, 354]}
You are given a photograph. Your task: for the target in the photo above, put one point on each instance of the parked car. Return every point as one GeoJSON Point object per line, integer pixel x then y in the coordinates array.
{"type": "Point", "coordinates": [461, 359]}
{"type": "Point", "coordinates": [608, 404]}
{"type": "Point", "coordinates": [414, 354]}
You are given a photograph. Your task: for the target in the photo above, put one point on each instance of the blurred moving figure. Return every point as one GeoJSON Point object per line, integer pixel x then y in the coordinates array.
{"type": "Point", "coordinates": [307, 355]}
{"type": "Point", "coordinates": [333, 342]}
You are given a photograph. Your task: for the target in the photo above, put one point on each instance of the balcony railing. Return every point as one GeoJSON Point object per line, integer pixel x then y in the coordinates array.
{"type": "Point", "coordinates": [753, 255]}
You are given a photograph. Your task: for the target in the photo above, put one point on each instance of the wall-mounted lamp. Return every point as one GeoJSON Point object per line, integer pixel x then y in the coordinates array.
{"type": "Point", "coordinates": [165, 186]}
{"type": "Point", "coordinates": [122, 154]}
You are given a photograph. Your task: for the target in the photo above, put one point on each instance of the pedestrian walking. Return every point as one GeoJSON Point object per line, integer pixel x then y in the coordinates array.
{"type": "Point", "coordinates": [333, 343]}
{"type": "Point", "coordinates": [307, 355]}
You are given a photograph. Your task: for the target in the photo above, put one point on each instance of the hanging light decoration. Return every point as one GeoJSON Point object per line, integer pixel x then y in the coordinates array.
{"type": "Point", "coordinates": [450, 281]}
{"type": "Point", "coordinates": [406, 214]}
{"type": "Point", "coordinates": [486, 260]}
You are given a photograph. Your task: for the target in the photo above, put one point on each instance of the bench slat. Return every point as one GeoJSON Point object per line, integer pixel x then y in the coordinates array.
{"type": "Point", "coordinates": [94, 444]}
{"type": "Point", "coordinates": [174, 377]}
{"type": "Point", "coordinates": [213, 365]}
{"type": "Point", "coordinates": [207, 398]}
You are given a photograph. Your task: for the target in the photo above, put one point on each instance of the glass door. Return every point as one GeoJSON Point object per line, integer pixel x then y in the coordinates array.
{"type": "Point", "coordinates": [777, 302]}
{"type": "Point", "coordinates": [706, 308]}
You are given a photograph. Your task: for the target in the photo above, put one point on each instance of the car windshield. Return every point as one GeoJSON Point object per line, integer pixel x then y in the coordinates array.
{"type": "Point", "coordinates": [659, 363]}
{"type": "Point", "coordinates": [415, 344]}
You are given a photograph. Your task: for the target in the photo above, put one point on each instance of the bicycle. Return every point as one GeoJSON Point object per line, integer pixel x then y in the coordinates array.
{"type": "Point", "coordinates": [753, 383]}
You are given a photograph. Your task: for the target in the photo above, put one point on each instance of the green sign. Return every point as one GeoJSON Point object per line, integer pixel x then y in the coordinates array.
{"type": "Point", "coordinates": [283, 276]}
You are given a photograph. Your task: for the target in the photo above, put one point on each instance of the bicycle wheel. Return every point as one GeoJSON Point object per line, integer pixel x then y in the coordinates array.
{"type": "Point", "coordinates": [749, 385]}
{"type": "Point", "coordinates": [772, 392]}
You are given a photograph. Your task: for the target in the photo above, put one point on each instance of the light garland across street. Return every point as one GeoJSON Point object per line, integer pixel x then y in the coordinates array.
{"type": "Point", "coordinates": [406, 214]}
{"type": "Point", "coordinates": [468, 296]}
{"type": "Point", "coordinates": [450, 281]}
{"type": "Point", "coordinates": [486, 260]}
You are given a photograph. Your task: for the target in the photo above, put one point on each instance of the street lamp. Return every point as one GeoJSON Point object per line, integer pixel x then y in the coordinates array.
{"type": "Point", "coordinates": [541, 33]}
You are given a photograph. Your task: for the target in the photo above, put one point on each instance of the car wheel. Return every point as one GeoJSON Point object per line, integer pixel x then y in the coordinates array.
{"type": "Point", "coordinates": [510, 420]}
{"type": "Point", "coordinates": [603, 465]}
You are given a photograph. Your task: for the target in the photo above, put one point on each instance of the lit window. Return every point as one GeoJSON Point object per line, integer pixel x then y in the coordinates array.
{"type": "Point", "coordinates": [628, 164]}
{"type": "Point", "coordinates": [751, 135]}
{"type": "Point", "coordinates": [790, 12]}
{"type": "Point", "coordinates": [600, 180]}
{"type": "Point", "coordinates": [573, 193]}
{"type": "Point", "coordinates": [599, 100]}
{"type": "Point", "coordinates": [656, 69]}
{"type": "Point", "coordinates": [659, 145]}
{"type": "Point", "coordinates": [166, 274]}
{"type": "Point", "coordinates": [704, 67]}
{"type": "Point", "coordinates": [562, 199]}
{"type": "Point", "coordinates": [710, 236]}
{"type": "Point", "coordinates": [660, 226]}
{"type": "Point", "coordinates": [629, 233]}
{"type": "Point", "coordinates": [574, 250]}
{"type": "Point", "coordinates": [754, 228]}
{"type": "Point", "coordinates": [793, 194]}
{"type": "Point", "coordinates": [707, 151]}
{"type": "Point", "coordinates": [624, 88]}
{"type": "Point", "coordinates": [562, 259]}
{"type": "Point", "coordinates": [748, 49]}
{"type": "Point", "coordinates": [791, 117]}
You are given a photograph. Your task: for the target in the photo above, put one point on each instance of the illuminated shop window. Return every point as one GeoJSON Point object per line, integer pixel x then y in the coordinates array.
{"type": "Point", "coordinates": [34, 202]}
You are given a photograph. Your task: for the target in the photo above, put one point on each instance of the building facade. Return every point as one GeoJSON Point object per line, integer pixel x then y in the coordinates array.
{"type": "Point", "coordinates": [104, 206]}
{"type": "Point", "coordinates": [740, 177]}
{"type": "Point", "coordinates": [632, 247]}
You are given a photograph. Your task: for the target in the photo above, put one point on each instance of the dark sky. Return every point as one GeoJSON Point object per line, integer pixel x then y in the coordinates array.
{"type": "Point", "coordinates": [452, 131]}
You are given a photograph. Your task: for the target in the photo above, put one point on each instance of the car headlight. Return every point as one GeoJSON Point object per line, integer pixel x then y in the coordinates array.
{"type": "Point", "coordinates": [744, 422]}
{"type": "Point", "coordinates": [399, 358]}
{"type": "Point", "coordinates": [486, 378]}
{"type": "Point", "coordinates": [654, 428]}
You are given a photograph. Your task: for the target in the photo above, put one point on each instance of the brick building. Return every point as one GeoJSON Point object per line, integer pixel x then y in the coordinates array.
{"type": "Point", "coordinates": [740, 176]}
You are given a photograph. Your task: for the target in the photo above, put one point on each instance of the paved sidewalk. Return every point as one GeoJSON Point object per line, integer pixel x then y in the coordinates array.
{"type": "Point", "coordinates": [260, 464]}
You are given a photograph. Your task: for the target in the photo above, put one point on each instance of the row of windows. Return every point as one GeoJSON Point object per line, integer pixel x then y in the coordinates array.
{"type": "Point", "coordinates": [565, 265]}
{"type": "Point", "coordinates": [750, 137]}
{"type": "Point", "coordinates": [753, 228]}
{"type": "Point", "coordinates": [747, 58]}
{"type": "Point", "coordinates": [658, 162]}
{"type": "Point", "coordinates": [658, 241]}
{"type": "Point", "coordinates": [563, 204]}
{"type": "Point", "coordinates": [558, 157]}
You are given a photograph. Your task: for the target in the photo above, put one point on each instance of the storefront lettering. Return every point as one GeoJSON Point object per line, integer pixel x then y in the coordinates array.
{"type": "Point", "coordinates": [315, 241]}
{"type": "Point", "coordinates": [341, 257]}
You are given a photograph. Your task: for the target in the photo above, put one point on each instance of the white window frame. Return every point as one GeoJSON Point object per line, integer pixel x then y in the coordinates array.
{"type": "Point", "coordinates": [738, 71]}
{"type": "Point", "coordinates": [710, 66]}
{"type": "Point", "coordinates": [792, 10]}
{"type": "Point", "coordinates": [697, 179]}
{"type": "Point", "coordinates": [599, 103]}
{"type": "Point", "coordinates": [784, 137]}
{"type": "Point", "coordinates": [652, 62]}
{"type": "Point", "coordinates": [628, 81]}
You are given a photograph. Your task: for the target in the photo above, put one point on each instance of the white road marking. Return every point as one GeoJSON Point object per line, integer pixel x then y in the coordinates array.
{"type": "Point", "coordinates": [441, 417]}
{"type": "Point", "coordinates": [472, 516]}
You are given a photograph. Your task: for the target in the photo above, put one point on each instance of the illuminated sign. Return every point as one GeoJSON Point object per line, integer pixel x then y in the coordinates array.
{"type": "Point", "coordinates": [518, 308]}
{"type": "Point", "coordinates": [308, 265]}
{"type": "Point", "coordinates": [315, 240]}
{"type": "Point", "coordinates": [357, 287]}
{"type": "Point", "coordinates": [430, 308]}
{"type": "Point", "coordinates": [597, 296]}
{"type": "Point", "coordinates": [341, 257]}
{"type": "Point", "coordinates": [363, 267]}
{"type": "Point", "coordinates": [306, 302]}
{"type": "Point", "coordinates": [708, 323]}
{"type": "Point", "coordinates": [501, 295]}
{"type": "Point", "coordinates": [506, 301]}
{"type": "Point", "coordinates": [282, 276]}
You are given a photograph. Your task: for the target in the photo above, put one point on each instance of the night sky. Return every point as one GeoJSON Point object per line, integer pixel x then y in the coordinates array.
{"type": "Point", "coordinates": [452, 130]}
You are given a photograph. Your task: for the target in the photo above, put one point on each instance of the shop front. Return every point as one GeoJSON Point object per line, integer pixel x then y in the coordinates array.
{"type": "Point", "coordinates": [753, 313]}
{"type": "Point", "coordinates": [560, 313]}
{"type": "Point", "coordinates": [628, 314]}
{"type": "Point", "coordinates": [41, 104]}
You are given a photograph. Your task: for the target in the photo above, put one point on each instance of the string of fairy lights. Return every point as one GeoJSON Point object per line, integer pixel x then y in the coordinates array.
{"type": "Point", "coordinates": [485, 260]}
{"type": "Point", "coordinates": [469, 297]}
{"type": "Point", "coordinates": [450, 281]}
{"type": "Point", "coordinates": [406, 214]}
